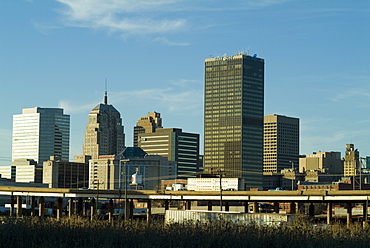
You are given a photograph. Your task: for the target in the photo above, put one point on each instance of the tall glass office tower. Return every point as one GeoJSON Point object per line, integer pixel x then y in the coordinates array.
{"type": "Point", "coordinates": [233, 117]}
{"type": "Point", "coordinates": [39, 133]}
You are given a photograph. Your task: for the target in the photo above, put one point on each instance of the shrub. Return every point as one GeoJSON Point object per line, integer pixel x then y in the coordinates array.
{"type": "Point", "coordinates": [78, 232]}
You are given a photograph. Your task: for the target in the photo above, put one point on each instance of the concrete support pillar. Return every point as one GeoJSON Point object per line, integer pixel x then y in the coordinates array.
{"type": "Point", "coordinates": [276, 207]}
{"type": "Point", "coordinates": [188, 205]}
{"type": "Point", "coordinates": [110, 211]}
{"type": "Point", "coordinates": [33, 205]}
{"type": "Point", "coordinates": [182, 205]}
{"type": "Point", "coordinates": [246, 210]}
{"type": "Point", "coordinates": [131, 209]}
{"type": "Point", "coordinates": [41, 206]}
{"type": "Point", "coordinates": [209, 205]}
{"type": "Point", "coordinates": [149, 211]}
{"type": "Point", "coordinates": [71, 207]}
{"type": "Point", "coordinates": [227, 206]}
{"type": "Point", "coordinates": [255, 207]}
{"type": "Point", "coordinates": [293, 208]}
{"type": "Point", "coordinates": [84, 208]}
{"type": "Point", "coordinates": [329, 213]}
{"type": "Point", "coordinates": [300, 208]}
{"type": "Point", "coordinates": [166, 205]}
{"type": "Point", "coordinates": [12, 201]}
{"type": "Point", "coordinates": [80, 207]}
{"type": "Point", "coordinates": [19, 206]}
{"type": "Point", "coordinates": [93, 209]}
{"type": "Point", "coordinates": [364, 210]}
{"type": "Point", "coordinates": [311, 211]}
{"type": "Point", "coordinates": [349, 213]}
{"type": "Point", "coordinates": [59, 208]}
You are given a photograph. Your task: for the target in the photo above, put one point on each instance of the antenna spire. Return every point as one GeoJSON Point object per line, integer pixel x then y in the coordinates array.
{"type": "Point", "coordinates": [105, 93]}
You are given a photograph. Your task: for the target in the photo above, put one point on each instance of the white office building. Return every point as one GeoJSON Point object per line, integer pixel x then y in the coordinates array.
{"type": "Point", "coordinates": [213, 184]}
{"type": "Point", "coordinates": [39, 133]}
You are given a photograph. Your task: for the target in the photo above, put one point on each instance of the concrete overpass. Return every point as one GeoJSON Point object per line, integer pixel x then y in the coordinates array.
{"type": "Point", "coordinates": [345, 196]}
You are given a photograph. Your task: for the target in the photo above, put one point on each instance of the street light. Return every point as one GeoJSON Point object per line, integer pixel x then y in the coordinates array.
{"type": "Point", "coordinates": [220, 174]}
{"type": "Point", "coordinates": [124, 173]}
{"type": "Point", "coordinates": [292, 174]}
{"type": "Point", "coordinates": [97, 193]}
{"type": "Point", "coordinates": [125, 182]}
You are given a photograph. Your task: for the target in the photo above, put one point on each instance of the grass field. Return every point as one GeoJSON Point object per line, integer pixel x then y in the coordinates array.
{"type": "Point", "coordinates": [36, 232]}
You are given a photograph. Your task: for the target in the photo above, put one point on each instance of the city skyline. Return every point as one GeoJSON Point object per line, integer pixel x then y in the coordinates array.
{"type": "Point", "coordinates": [59, 53]}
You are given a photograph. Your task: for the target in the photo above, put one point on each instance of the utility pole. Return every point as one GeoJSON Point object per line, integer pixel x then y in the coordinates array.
{"type": "Point", "coordinates": [293, 174]}
{"type": "Point", "coordinates": [220, 174]}
{"type": "Point", "coordinates": [125, 184]}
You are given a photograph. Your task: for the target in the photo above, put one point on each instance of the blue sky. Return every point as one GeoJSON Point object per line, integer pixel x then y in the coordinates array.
{"type": "Point", "coordinates": [59, 54]}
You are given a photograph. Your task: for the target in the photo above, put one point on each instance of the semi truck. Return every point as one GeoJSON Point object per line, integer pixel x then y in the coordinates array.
{"type": "Point", "coordinates": [278, 189]}
{"type": "Point", "coordinates": [177, 187]}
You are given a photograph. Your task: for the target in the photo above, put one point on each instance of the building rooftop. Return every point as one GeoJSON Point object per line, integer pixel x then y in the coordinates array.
{"type": "Point", "coordinates": [101, 107]}
{"type": "Point", "coordinates": [134, 152]}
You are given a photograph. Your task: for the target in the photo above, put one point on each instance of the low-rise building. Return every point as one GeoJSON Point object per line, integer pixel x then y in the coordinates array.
{"type": "Point", "coordinates": [27, 171]}
{"type": "Point", "coordinates": [326, 162]}
{"type": "Point", "coordinates": [62, 174]}
{"type": "Point", "coordinates": [8, 172]}
{"type": "Point", "coordinates": [116, 171]}
{"type": "Point", "coordinates": [213, 184]}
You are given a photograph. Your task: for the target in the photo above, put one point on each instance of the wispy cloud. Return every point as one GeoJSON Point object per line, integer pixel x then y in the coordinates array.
{"type": "Point", "coordinates": [264, 3]}
{"type": "Point", "coordinates": [44, 28]}
{"type": "Point", "coordinates": [178, 98]}
{"type": "Point", "coordinates": [168, 99]}
{"type": "Point", "coordinates": [357, 93]}
{"type": "Point", "coordinates": [171, 43]}
{"type": "Point", "coordinates": [133, 17]}
{"type": "Point", "coordinates": [186, 82]}
{"type": "Point", "coordinates": [333, 140]}
{"type": "Point", "coordinates": [126, 16]}
{"type": "Point", "coordinates": [73, 108]}
{"type": "Point", "coordinates": [352, 93]}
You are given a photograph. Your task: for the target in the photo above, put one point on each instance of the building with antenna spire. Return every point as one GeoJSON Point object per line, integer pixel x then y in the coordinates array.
{"type": "Point", "coordinates": [104, 131]}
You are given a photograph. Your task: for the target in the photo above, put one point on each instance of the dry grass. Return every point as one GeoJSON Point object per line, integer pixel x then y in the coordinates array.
{"type": "Point", "coordinates": [35, 232]}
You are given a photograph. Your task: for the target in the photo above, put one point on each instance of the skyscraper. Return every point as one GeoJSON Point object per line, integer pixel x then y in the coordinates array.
{"type": "Point", "coordinates": [233, 117]}
{"type": "Point", "coordinates": [351, 161]}
{"type": "Point", "coordinates": [147, 124]}
{"type": "Point", "coordinates": [281, 143]}
{"type": "Point", "coordinates": [39, 133]}
{"type": "Point", "coordinates": [104, 132]}
{"type": "Point", "coordinates": [175, 145]}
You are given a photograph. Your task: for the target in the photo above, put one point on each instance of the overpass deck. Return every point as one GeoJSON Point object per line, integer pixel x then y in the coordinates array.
{"type": "Point", "coordinates": [260, 196]}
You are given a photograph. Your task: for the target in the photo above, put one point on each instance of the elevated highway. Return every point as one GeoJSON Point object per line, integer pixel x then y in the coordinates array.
{"type": "Point", "coordinates": [349, 197]}
{"type": "Point", "coordinates": [259, 196]}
